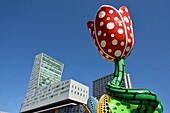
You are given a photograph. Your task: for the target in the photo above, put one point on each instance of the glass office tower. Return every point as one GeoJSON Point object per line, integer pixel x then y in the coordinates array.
{"type": "Point", "coordinates": [50, 70]}
{"type": "Point", "coordinates": [46, 70]}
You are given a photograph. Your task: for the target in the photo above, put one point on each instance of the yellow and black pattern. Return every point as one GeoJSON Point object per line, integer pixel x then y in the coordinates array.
{"type": "Point", "coordinates": [102, 106]}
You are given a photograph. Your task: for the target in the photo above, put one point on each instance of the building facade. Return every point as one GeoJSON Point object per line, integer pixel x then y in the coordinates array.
{"type": "Point", "coordinates": [68, 92]}
{"type": "Point", "coordinates": [46, 93]}
{"type": "Point", "coordinates": [100, 83]}
{"type": "Point", "coordinates": [47, 70]}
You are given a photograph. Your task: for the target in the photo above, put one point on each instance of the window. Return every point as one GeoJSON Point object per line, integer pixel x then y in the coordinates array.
{"type": "Point", "coordinates": [66, 82]}
{"type": "Point", "coordinates": [57, 86]}
{"type": "Point", "coordinates": [62, 88]}
{"type": "Point", "coordinates": [56, 94]}
{"type": "Point", "coordinates": [56, 90]}
{"type": "Point", "coordinates": [64, 91]}
{"type": "Point", "coordinates": [48, 93]}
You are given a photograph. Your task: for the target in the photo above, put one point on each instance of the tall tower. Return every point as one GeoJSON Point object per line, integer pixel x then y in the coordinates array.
{"type": "Point", "coordinates": [46, 70]}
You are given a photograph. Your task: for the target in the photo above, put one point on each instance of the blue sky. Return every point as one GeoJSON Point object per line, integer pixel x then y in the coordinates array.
{"type": "Point", "coordinates": [58, 28]}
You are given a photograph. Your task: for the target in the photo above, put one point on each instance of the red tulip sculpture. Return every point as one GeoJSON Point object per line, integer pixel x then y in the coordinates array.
{"type": "Point", "coordinates": [113, 37]}
{"type": "Point", "coordinates": [112, 32]}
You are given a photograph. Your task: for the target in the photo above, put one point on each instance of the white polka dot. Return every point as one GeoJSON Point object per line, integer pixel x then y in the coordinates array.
{"type": "Point", "coordinates": [112, 35]}
{"type": "Point", "coordinates": [118, 53]}
{"type": "Point", "coordinates": [110, 25]}
{"type": "Point", "coordinates": [127, 49]}
{"type": "Point", "coordinates": [104, 34]}
{"type": "Point", "coordinates": [129, 17]}
{"type": "Point", "coordinates": [129, 40]}
{"type": "Point", "coordinates": [126, 9]}
{"type": "Point", "coordinates": [101, 23]}
{"type": "Point", "coordinates": [93, 32]}
{"type": "Point", "coordinates": [111, 11]}
{"type": "Point", "coordinates": [101, 52]}
{"type": "Point", "coordinates": [99, 32]}
{"type": "Point", "coordinates": [103, 43]}
{"type": "Point", "coordinates": [109, 50]}
{"type": "Point", "coordinates": [120, 31]}
{"type": "Point", "coordinates": [107, 56]}
{"type": "Point", "coordinates": [121, 11]}
{"type": "Point", "coordinates": [89, 30]}
{"type": "Point", "coordinates": [120, 24]}
{"type": "Point", "coordinates": [114, 42]}
{"type": "Point", "coordinates": [108, 18]}
{"type": "Point", "coordinates": [131, 34]}
{"type": "Point", "coordinates": [91, 25]}
{"type": "Point", "coordinates": [128, 28]}
{"type": "Point", "coordinates": [102, 14]}
{"type": "Point", "coordinates": [116, 18]}
{"type": "Point", "coordinates": [122, 43]}
{"type": "Point", "coordinates": [126, 19]}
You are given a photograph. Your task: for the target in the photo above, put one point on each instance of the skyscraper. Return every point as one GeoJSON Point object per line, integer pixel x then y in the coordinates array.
{"type": "Point", "coordinates": [46, 70]}
{"type": "Point", "coordinates": [46, 91]}
{"type": "Point", "coordinates": [100, 83]}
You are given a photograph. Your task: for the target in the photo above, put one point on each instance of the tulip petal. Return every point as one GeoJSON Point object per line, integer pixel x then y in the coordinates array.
{"type": "Point", "coordinates": [90, 25]}
{"type": "Point", "coordinates": [110, 31]}
{"type": "Point", "coordinates": [128, 22]}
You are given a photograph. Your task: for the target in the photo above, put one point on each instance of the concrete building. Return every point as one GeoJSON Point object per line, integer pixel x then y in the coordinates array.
{"type": "Point", "coordinates": [47, 94]}
{"type": "Point", "coordinates": [100, 83]}
{"type": "Point", "coordinates": [65, 93]}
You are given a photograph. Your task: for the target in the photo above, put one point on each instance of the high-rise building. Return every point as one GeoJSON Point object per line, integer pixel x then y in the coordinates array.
{"type": "Point", "coordinates": [46, 70]}
{"type": "Point", "coordinates": [47, 94]}
{"type": "Point", "coordinates": [100, 84]}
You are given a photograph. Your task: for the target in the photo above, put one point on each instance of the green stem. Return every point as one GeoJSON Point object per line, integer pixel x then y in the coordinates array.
{"type": "Point", "coordinates": [146, 100]}
{"type": "Point", "coordinates": [119, 74]}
